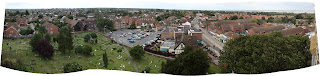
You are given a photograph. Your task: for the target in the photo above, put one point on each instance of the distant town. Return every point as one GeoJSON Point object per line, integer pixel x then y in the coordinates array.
{"type": "Point", "coordinates": [183, 42]}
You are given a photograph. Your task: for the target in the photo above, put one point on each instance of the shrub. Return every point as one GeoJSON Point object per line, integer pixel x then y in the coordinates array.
{"type": "Point", "coordinates": [84, 49]}
{"type": "Point", "coordinates": [13, 64]}
{"type": "Point", "coordinates": [45, 49]}
{"type": "Point", "coordinates": [72, 67]}
{"type": "Point", "coordinates": [33, 42]}
{"type": "Point", "coordinates": [147, 69]}
{"type": "Point", "coordinates": [105, 60]}
{"type": "Point", "coordinates": [91, 38]}
{"type": "Point", "coordinates": [47, 37]}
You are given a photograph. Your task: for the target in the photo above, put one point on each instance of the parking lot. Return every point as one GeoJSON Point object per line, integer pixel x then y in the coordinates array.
{"type": "Point", "coordinates": [134, 37]}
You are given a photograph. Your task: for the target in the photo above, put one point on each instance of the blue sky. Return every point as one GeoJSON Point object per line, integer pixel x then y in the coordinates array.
{"type": "Point", "coordinates": [167, 4]}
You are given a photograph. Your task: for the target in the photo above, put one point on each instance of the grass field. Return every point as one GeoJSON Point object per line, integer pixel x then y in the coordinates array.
{"type": "Point", "coordinates": [20, 49]}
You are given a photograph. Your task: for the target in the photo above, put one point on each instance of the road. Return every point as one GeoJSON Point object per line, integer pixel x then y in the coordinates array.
{"type": "Point", "coordinates": [207, 38]}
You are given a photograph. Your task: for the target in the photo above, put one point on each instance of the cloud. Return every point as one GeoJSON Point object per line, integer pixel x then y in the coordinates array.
{"type": "Point", "coordinates": [167, 4]}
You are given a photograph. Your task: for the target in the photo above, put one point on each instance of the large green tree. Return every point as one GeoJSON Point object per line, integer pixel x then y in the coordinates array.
{"type": "Point", "coordinates": [265, 53]}
{"type": "Point", "coordinates": [64, 39]}
{"type": "Point", "coordinates": [137, 52]}
{"type": "Point", "coordinates": [104, 23]}
{"type": "Point", "coordinates": [193, 61]}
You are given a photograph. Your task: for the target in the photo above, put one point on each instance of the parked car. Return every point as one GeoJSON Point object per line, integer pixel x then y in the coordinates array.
{"type": "Point", "coordinates": [131, 41]}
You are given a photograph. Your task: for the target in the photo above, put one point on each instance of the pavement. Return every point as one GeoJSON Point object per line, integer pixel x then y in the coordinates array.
{"type": "Point", "coordinates": [134, 65]}
{"type": "Point", "coordinates": [125, 41]}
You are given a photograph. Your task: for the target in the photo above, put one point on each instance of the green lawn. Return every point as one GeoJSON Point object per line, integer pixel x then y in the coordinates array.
{"type": "Point", "coordinates": [20, 49]}
{"type": "Point", "coordinates": [146, 62]}
{"type": "Point", "coordinates": [214, 69]}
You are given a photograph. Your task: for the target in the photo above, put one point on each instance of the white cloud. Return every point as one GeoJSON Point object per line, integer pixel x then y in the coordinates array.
{"type": "Point", "coordinates": [167, 4]}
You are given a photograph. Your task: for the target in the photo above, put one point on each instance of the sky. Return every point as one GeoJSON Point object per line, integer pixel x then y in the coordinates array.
{"type": "Point", "coordinates": [166, 4]}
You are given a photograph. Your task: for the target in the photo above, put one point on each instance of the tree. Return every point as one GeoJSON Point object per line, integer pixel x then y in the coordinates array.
{"type": "Point", "coordinates": [91, 37]}
{"type": "Point", "coordinates": [259, 22]}
{"type": "Point", "coordinates": [234, 17]}
{"type": "Point", "coordinates": [72, 67]}
{"type": "Point", "coordinates": [253, 21]}
{"type": "Point", "coordinates": [26, 31]}
{"type": "Point", "coordinates": [193, 61]}
{"type": "Point", "coordinates": [270, 19]}
{"type": "Point", "coordinates": [260, 53]}
{"type": "Point", "coordinates": [277, 20]}
{"type": "Point", "coordinates": [298, 16]}
{"type": "Point", "coordinates": [60, 16]}
{"type": "Point", "coordinates": [241, 17]}
{"type": "Point", "coordinates": [45, 49]}
{"type": "Point", "coordinates": [27, 13]}
{"type": "Point", "coordinates": [137, 52]}
{"type": "Point", "coordinates": [263, 18]}
{"type": "Point", "coordinates": [64, 39]}
{"type": "Point", "coordinates": [40, 16]}
{"type": "Point", "coordinates": [104, 23]}
{"type": "Point", "coordinates": [84, 49]}
{"type": "Point", "coordinates": [33, 42]}
{"type": "Point", "coordinates": [132, 26]}
{"type": "Point", "coordinates": [70, 16]}
{"type": "Point", "coordinates": [17, 12]}
{"type": "Point", "coordinates": [47, 37]}
{"type": "Point", "coordinates": [105, 60]}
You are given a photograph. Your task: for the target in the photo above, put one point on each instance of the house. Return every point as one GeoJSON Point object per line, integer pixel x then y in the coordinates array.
{"type": "Point", "coordinates": [12, 29]}
{"type": "Point", "coordinates": [167, 34]}
{"type": "Point", "coordinates": [263, 30]}
{"type": "Point", "coordinates": [195, 33]}
{"type": "Point", "coordinates": [90, 15]}
{"type": "Point", "coordinates": [76, 26]}
{"type": "Point", "coordinates": [167, 46]}
{"type": "Point", "coordinates": [182, 41]}
{"type": "Point", "coordinates": [51, 28]}
{"type": "Point", "coordinates": [22, 22]}
{"type": "Point", "coordinates": [293, 31]}
{"type": "Point", "coordinates": [88, 25]}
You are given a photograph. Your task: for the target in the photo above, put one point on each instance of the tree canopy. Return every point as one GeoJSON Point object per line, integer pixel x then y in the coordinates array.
{"type": "Point", "coordinates": [265, 53]}
{"type": "Point", "coordinates": [104, 23]}
{"type": "Point", "coordinates": [193, 61]}
{"type": "Point", "coordinates": [64, 39]}
{"type": "Point", "coordinates": [137, 52]}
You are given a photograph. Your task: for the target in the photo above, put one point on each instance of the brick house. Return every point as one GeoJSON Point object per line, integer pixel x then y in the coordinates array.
{"type": "Point", "coordinates": [51, 28]}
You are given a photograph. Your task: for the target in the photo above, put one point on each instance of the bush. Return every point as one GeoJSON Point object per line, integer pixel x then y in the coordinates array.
{"type": "Point", "coordinates": [33, 42]}
{"type": "Point", "coordinates": [84, 49]}
{"type": "Point", "coordinates": [45, 49]}
{"type": "Point", "coordinates": [47, 37]}
{"type": "Point", "coordinates": [147, 69]}
{"type": "Point", "coordinates": [91, 38]}
{"type": "Point", "coordinates": [72, 67]}
{"type": "Point", "coordinates": [105, 60]}
{"type": "Point", "coordinates": [13, 64]}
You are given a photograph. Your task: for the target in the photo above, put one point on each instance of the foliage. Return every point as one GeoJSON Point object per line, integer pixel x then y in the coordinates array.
{"type": "Point", "coordinates": [132, 26]}
{"type": "Point", "coordinates": [260, 53]}
{"type": "Point", "coordinates": [270, 19]}
{"type": "Point", "coordinates": [26, 31]}
{"type": "Point", "coordinates": [33, 42]}
{"type": "Point", "coordinates": [136, 52]}
{"type": "Point", "coordinates": [64, 39]}
{"type": "Point", "coordinates": [13, 64]}
{"type": "Point", "coordinates": [60, 16]}
{"type": "Point", "coordinates": [47, 37]}
{"type": "Point", "coordinates": [105, 60]}
{"type": "Point", "coordinates": [91, 37]}
{"type": "Point", "coordinates": [177, 14]}
{"type": "Point", "coordinates": [193, 61]}
{"type": "Point", "coordinates": [298, 16]}
{"type": "Point", "coordinates": [70, 17]}
{"type": "Point", "coordinates": [72, 67]}
{"type": "Point", "coordinates": [277, 20]}
{"type": "Point", "coordinates": [40, 16]}
{"type": "Point", "coordinates": [45, 49]}
{"type": "Point", "coordinates": [147, 69]}
{"type": "Point", "coordinates": [234, 17]}
{"type": "Point", "coordinates": [10, 20]}
{"type": "Point", "coordinates": [241, 17]}
{"type": "Point", "coordinates": [104, 23]}
{"type": "Point", "coordinates": [27, 13]}
{"type": "Point", "coordinates": [84, 49]}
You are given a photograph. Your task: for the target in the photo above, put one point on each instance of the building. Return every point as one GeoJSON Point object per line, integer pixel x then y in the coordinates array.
{"type": "Point", "coordinates": [51, 28]}
{"type": "Point", "coordinates": [264, 30]}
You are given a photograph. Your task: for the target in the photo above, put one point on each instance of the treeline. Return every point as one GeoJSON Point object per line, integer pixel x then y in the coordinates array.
{"type": "Point", "coordinates": [176, 14]}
